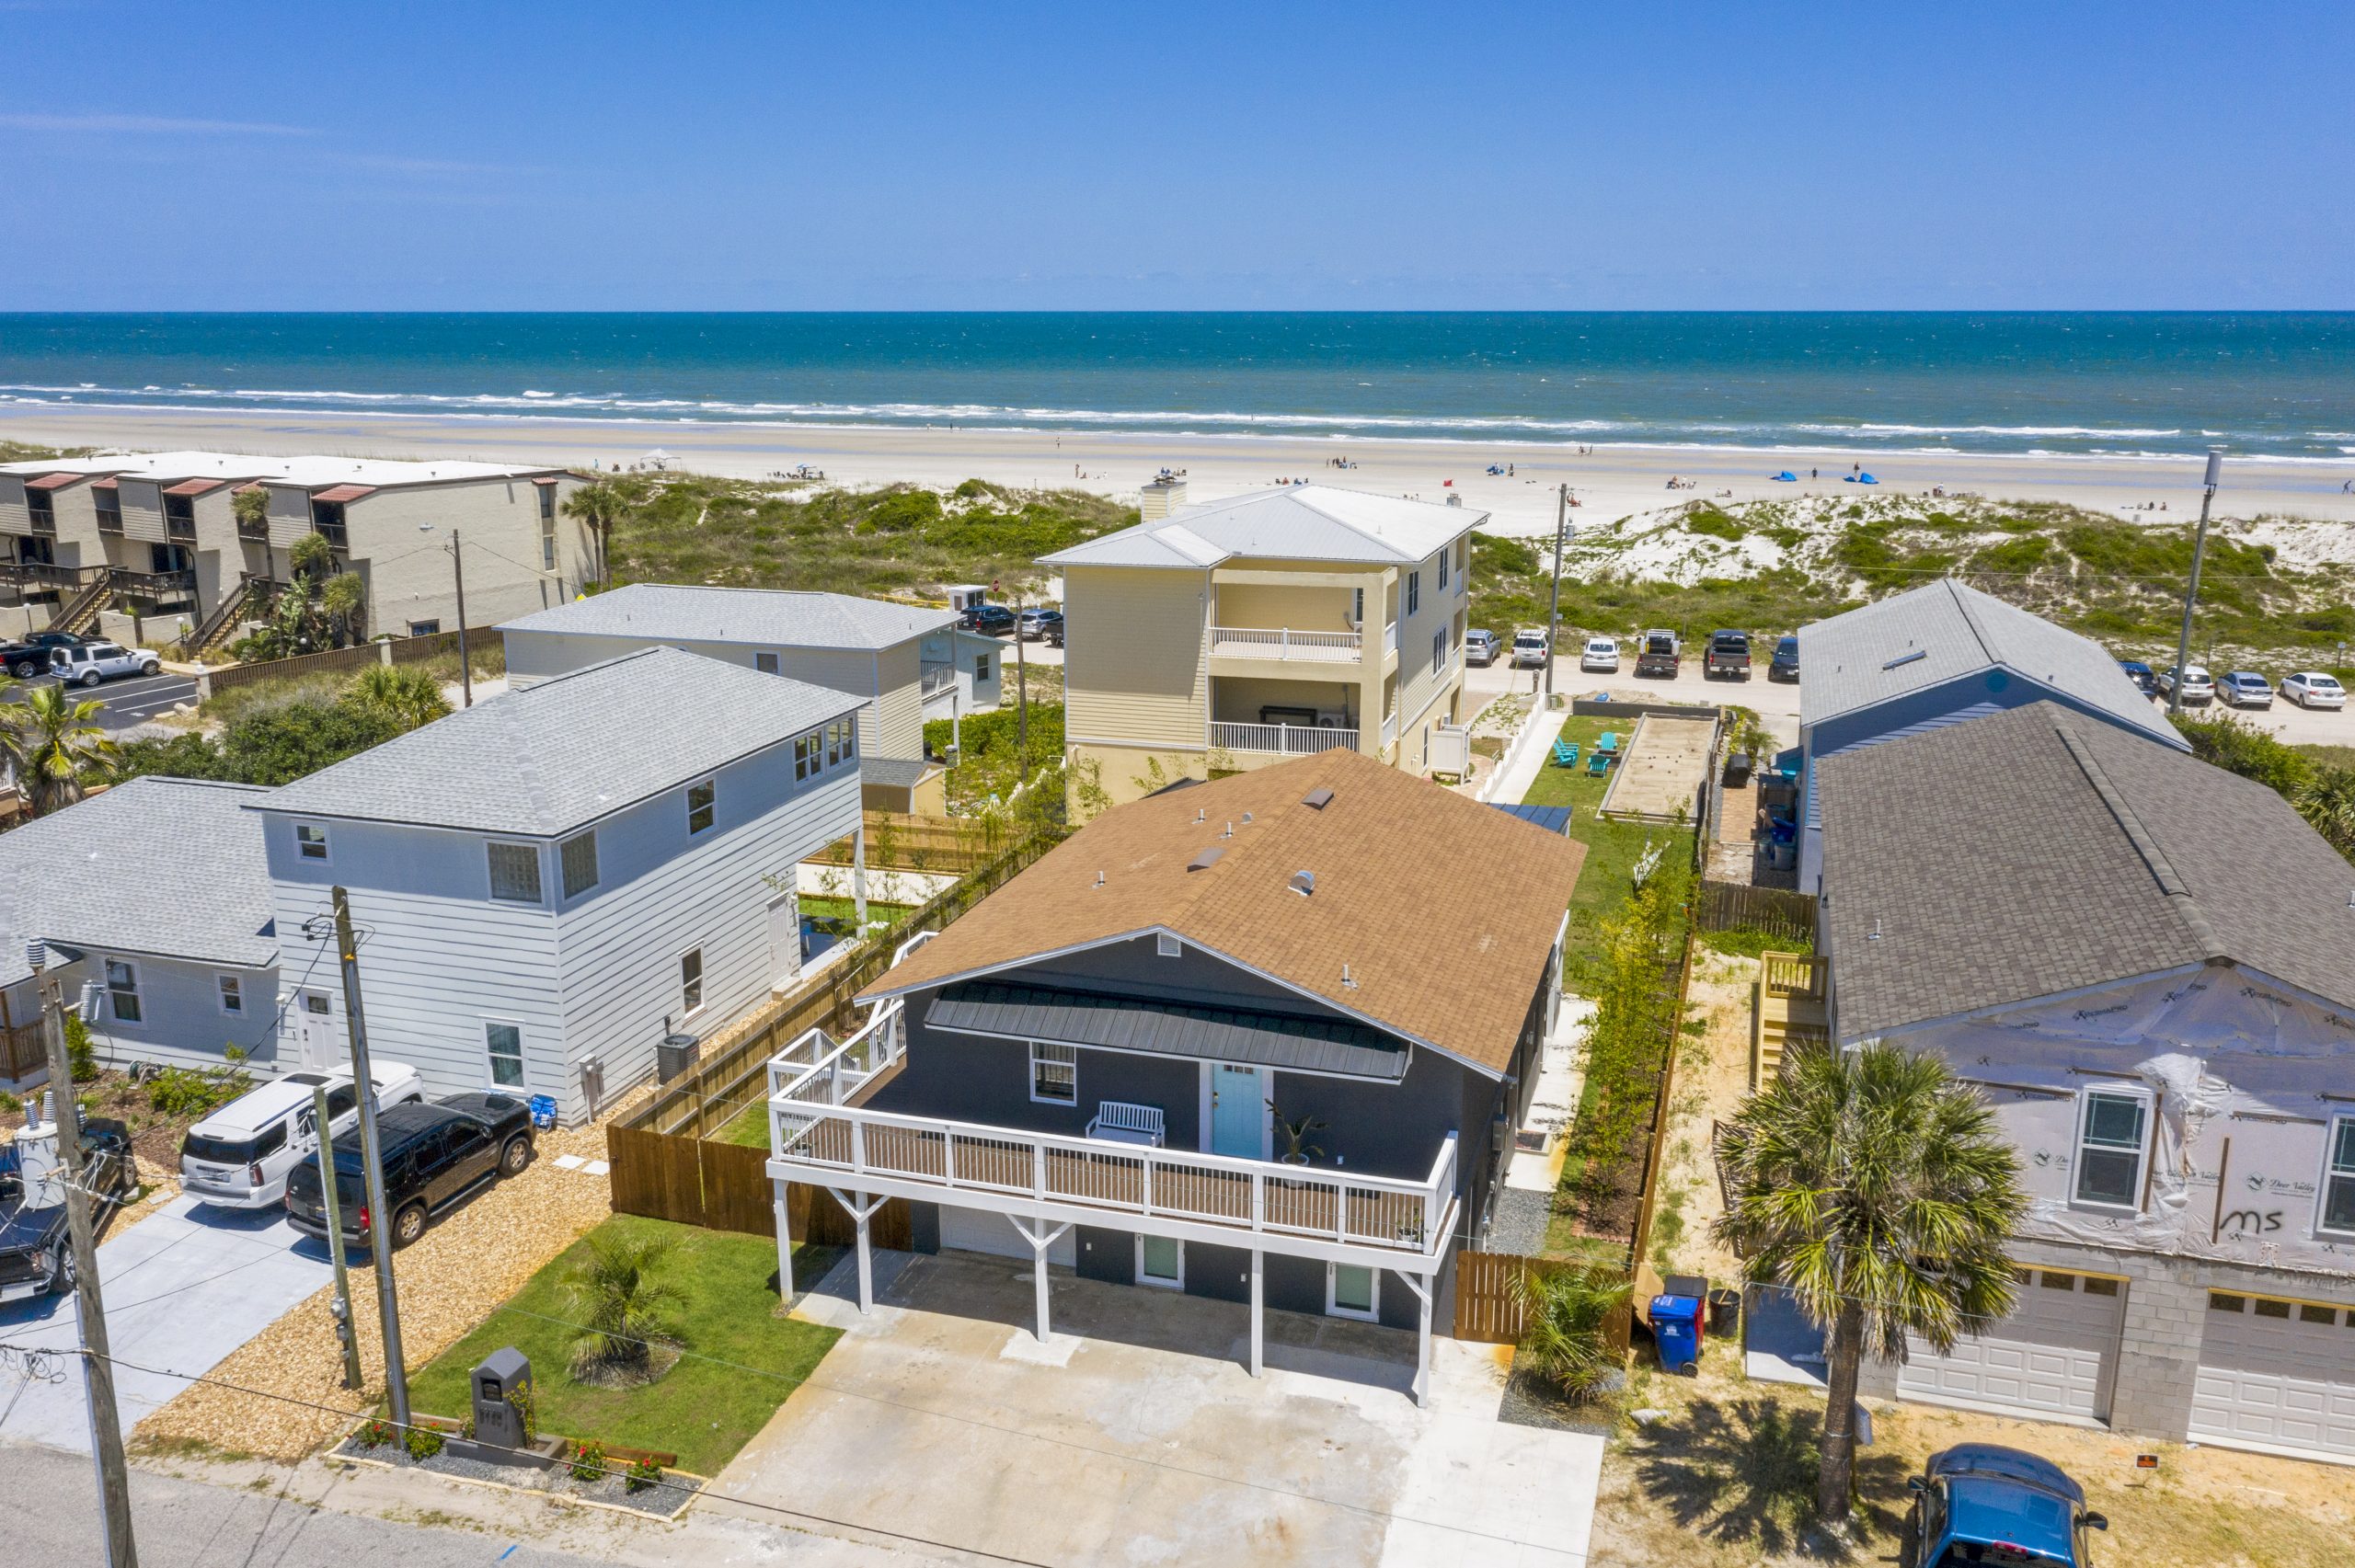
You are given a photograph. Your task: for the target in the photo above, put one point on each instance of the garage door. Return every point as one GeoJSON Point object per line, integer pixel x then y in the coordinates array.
{"type": "Point", "coordinates": [2277, 1375]}
{"type": "Point", "coordinates": [981, 1230]}
{"type": "Point", "coordinates": [2056, 1355]}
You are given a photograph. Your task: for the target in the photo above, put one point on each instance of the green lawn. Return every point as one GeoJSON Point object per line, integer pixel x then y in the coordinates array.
{"type": "Point", "coordinates": [704, 1409]}
{"type": "Point", "coordinates": [1612, 848]}
{"type": "Point", "coordinates": [748, 1129]}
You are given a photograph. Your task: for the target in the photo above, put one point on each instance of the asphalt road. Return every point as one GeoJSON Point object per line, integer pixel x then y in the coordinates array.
{"type": "Point", "coordinates": [135, 699]}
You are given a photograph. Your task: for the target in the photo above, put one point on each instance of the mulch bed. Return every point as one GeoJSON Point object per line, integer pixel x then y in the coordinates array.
{"type": "Point", "coordinates": [1529, 1402]}
{"type": "Point", "coordinates": [663, 1500]}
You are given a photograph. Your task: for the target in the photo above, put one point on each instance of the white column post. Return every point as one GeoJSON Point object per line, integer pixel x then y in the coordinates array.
{"type": "Point", "coordinates": [1423, 1289]}
{"type": "Point", "coordinates": [1041, 1239]}
{"type": "Point", "coordinates": [858, 870]}
{"type": "Point", "coordinates": [784, 1247]}
{"type": "Point", "coordinates": [867, 1269]}
{"type": "Point", "coordinates": [1258, 1305]}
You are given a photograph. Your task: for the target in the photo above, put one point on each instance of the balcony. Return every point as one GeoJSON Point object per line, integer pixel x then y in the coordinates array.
{"type": "Point", "coordinates": [935, 677]}
{"type": "Point", "coordinates": [1283, 643]}
{"type": "Point", "coordinates": [817, 1136]}
{"type": "Point", "coordinates": [1281, 739]}
{"type": "Point", "coordinates": [158, 586]}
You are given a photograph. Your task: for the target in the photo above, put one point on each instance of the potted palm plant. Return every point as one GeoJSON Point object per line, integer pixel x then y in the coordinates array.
{"type": "Point", "coordinates": [1298, 1150]}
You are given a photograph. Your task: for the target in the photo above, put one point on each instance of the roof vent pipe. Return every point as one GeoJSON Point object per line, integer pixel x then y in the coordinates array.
{"type": "Point", "coordinates": [1100, 880]}
{"type": "Point", "coordinates": [1348, 981]}
{"type": "Point", "coordinates": [1302, 883]}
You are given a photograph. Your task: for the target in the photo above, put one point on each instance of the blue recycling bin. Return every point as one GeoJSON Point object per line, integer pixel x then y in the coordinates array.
{"type": "Point", "coordinates": [1678, 1327]}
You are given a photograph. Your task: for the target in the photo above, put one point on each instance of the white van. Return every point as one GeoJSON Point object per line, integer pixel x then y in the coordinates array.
{"type": "Point", "coordinates": [239, 1156]}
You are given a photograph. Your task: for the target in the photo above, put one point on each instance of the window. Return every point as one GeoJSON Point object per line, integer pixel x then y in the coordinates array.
{"type": "Point", "coordinates": [691, 981]}
{"type": "Point", "coordinates": [109, 503]}
{"type": "Point", "coordinates": [980, 667]}
{"type": "Point", "coordinates": [1442, 571]}
{"type": "Point", "coordinates": [2309, 1313]}
{"type": "Point", "coordinates": [423, 628]}
{"type": "Point", "coordinates": [515, 872]}
{"type": "Point", "coordinates": [40, 509]}
{"type": "Point", "coordinates": [842, 741]}
{"type": "Point", "coordinates": [2338, 1178]}
{"type": "Point", "coordinates": [766, 663]}
{"type": "Point", "coordinates": [2217, 1301]}
{"type": "Point", "coordinates": [233, 995]}
{"type": "Point", "coordinates": [1161, 1261]}
{"type": "Point", "coordinates": [2053, 1279]}
{"type": "Point", "coordinates": [123, 992]}
{"type": "Point", "coordinates": [1352, 1290]}
{"type": "Point", "coordinates": [2096, 1286]}
{"type": "Point", "coordinates": [1167, 946]}
{"type": "Point", "coordinates": [806, 754]}
{"type": "Point", "coordinates": [1414, 591]}
{"type": "Point", "coordinates": [2266, 1306]}
{"type": "Point", "coordinates": [342, 1098]}
{"type": "Point", "coordinates": [2112, 1130]}
{"type": "Point", "coordinates": [1438, 650]}
{"type": "Point", "coordinates": [505, 1042]}
{"type": "Point", "coordinates": [547, 531]}
{"type": "Point", "coordinates": [700, 802]}
{"type": "Point", "coordinates": [310, 842]}
{"type": "Point", "coordinates": [1055, 1073]}
{"type": "Point", "coordinates": [578, 854]}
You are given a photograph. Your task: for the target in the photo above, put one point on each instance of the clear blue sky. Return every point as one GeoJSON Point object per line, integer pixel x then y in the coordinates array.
{"type": "Point", "coordinates": [1002, 154]}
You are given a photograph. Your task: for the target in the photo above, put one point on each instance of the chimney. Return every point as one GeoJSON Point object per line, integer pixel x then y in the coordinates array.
{"type": "Point", "coordinates": [1160, 497]}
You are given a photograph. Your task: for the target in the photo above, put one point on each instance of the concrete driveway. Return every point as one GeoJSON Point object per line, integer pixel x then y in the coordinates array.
{"type": "Point", "coordinates": [183, 1288]}
{"type": "Point", "coordinates": [1135, 1435]}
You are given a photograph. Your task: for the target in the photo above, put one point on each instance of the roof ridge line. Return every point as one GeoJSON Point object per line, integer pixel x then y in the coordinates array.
{"type": "Point", "coordinates": [2146, 844]}
{"type": "Point", "coordinates": [1978, 633]}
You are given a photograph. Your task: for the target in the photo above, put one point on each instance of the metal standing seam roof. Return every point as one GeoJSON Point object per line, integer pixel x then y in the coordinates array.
{"type": "Point", "coordinates": [767, 617]}
{"type": "Point", "coordinates": [1169, 1028]}
{"type": "Point", "coordinates": [162, 867]}
{"type": "Point", "coordinates": [2039, 852]}
{"type": "Point", "coordinates": [1313, 522]}
{"type": "Point", "coordinates": [1945, 630]}
{"type": "Point", "coordinates": [562, 753]}
{"type": "Point", "coordinates": [1432, 917]}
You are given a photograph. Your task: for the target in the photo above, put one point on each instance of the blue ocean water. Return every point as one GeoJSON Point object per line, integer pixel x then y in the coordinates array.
{"type": "Point", "coordinates": [2273, 384]}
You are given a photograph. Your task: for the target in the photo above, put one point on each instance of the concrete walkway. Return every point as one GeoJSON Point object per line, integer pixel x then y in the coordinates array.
{"type": "Point", "coordinates": [183, 1289]}
{"type": "Point", "coordinates": [1525, 758]}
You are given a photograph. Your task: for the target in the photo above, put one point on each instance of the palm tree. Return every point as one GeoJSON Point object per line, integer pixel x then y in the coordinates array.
{"type": "Point", "coordinates": [407, 695]}
{"type": "Point", "coordinates": [52, 744]}
{"type": "Point", "coordinates": [1563, 1312]}
{"type": "Point", "coordinates": [1878, 1190]}
{"type": "Point", "coordinates": [621, 1303]}
{"type": "Point", "coordinates": [2327, 800]}
{"type": "Point", "coordinates": [599, 504]}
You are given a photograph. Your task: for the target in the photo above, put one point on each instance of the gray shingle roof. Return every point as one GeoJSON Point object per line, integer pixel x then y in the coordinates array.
{"type": "Point", "coordinates": [561, 755]}
{"type": "Point", "coordinates": [1946, 630]}
{"type": "Point", "coordinates": [772, 618]}
{"type": "Point", "coordinates": [2038, 851]}
{"type": "Point", "coordinates": [172, 867]}
{"type": "Point", "coordinates": [1303, 522]}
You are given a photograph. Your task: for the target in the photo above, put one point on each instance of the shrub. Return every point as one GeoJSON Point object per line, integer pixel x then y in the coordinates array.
{"type": "Point", "coordinates": [423, 1443]}
{"type": "Point", "coordinates": [1563, 1314]}
{"type": "Point", "coordinates": [81, 1054]}
{"type": "Point", "coordinates": [1713, 522]}
{"type": "Point", "coordinates": [645, 1472]}
{"type": "Point", "coordinates": [192, 1092]}
{"type": "Point", "coordinates": [589, 1461]}
{"type": "Point", "coordinates": [376, 1433]}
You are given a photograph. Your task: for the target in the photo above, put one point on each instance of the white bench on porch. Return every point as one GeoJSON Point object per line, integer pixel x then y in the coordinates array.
{"type": "Point", "coordinates": [1120, 1122]}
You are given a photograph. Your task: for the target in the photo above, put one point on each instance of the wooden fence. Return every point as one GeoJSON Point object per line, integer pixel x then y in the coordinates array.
{"type": "Point", "coordinates": [897, 842]}
{"type": "Point", "coordinates": [335, 661]}
{"type": "Point", "coordinates": [1486, 1308]}
{"type": "Point", "coordinates": [1785, 915]}
{"type": "Point", "coordinates": [725, 1186]}
{"type": "Point", "coordinates": [1661, 1111]}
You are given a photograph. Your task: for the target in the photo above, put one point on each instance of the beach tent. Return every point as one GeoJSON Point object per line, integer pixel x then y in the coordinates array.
{"type": "Point", "coordinates": [1867, 479]}
{"type": "Point", "coordinates": [1787, 478]}
{"type": "Point", "coordinates": [657, 456]}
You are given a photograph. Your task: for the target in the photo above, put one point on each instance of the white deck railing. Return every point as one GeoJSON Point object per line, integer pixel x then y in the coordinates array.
{"type": "Point", "coordinates": [1282, 642]}
{"type": "Point", "coordinates": [1389, 729]}
{"type": "Point", "coordinates": [1284, 739]}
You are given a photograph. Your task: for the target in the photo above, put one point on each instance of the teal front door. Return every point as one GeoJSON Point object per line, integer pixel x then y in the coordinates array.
{"type": "Point", "coordinates": [1238, 1112]}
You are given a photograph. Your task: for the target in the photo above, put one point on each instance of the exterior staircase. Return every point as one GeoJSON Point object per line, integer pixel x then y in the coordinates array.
{"type": "Point", "coordinates": [248, 600]}
{"type": "Point", "coordinates": [1786, 1004]}
{"type": "Point", "coordinates": [80, 613]}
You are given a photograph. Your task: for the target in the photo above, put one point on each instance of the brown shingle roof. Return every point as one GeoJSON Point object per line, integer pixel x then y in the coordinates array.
{"type": "Point", "coordinates": [1443, 911]}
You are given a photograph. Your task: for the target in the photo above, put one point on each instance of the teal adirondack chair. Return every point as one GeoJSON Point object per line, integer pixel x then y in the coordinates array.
{"type": "Point", "coordinates": [1566, 754]}
{"type": "Point", "coordinates": [1599, 764]}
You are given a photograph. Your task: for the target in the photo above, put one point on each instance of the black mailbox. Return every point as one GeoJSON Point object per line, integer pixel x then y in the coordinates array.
{"type": "Point", "coordinates": [503, 1384]}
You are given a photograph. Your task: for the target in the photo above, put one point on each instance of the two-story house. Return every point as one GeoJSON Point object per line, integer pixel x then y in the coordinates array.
{"type": "Point", "coordinates": [550, 882]}
{"type": "Point", "coordinates": [152, 897]}
{"type": "Point", "coordinates": [1279, 624]}
{"type": "Point", "coordinates": [2147, 966]}
{"type": "Point", "coordinates": [1938, 654]}
{"type": "Point", "coordinates": [112, 541]}
{"type": "Point", "coordinates": [1260, 1039]}
{"type": "Point", "coordinates": [867, 648]}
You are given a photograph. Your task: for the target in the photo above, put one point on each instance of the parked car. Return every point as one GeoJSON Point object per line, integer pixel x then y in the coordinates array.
{"type": "Point", "coordinates": [2145, 679]}
{"type": "Point", "coordinates": [36, 1253]}
{"type": "Point", "coordinates": [27, 657]}
{"type": "Point", "coordinates": [2314, 689]}
{"type": "Point", "coordinates": [994, 619]}
{"type": "Point", "coordinates": [1727, 657]}
{"type": "Point", "coordinates": [1481, 647]}
{"type": "Point", "coordinates": [1602, 655]}
{"type": "Point", "coordinates": [1661, 654]}
{"type": "Point", "coordinates": [1980, 1503]}
{"type": "Point", "coordinates": [239, 1156]}
{"type": "Point", "coordinates": [1532, 649]}
{"type": "Point", "coordinates": [90, 663]}
{"type": "Point", "coordinates": [2243, 688]}
{"type": "Point", "coordinates": [1784, 665]}
{"type": "Point", "coordinates": [1033, 623]}
{"type": "Point", "coordinates": [2199, 686]}
{"type": "Point", "coordinates": [436, 1152]}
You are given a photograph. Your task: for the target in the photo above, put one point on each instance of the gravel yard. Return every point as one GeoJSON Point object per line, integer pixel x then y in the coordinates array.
{"type": "Point", "coordinates": [474, 1257]}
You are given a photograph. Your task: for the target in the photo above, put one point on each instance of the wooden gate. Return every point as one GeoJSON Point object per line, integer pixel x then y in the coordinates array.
{"type": "Point", "coordinates": [736, 1191]}
{"type": "Point", "coordinates": [725, 1186]}
{"type": "Point", "coordinates": [659, 1178]}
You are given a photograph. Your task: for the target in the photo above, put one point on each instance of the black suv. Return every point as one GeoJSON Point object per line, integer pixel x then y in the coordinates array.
{"type": "Point", "coordinates": [1786, 666]}
{"type": "Point", "coordinates": [28, 657]}
{"type": "Point", "coordinates": [436, 1151]}
{"type": "Point", "coordinates": [994, 619]}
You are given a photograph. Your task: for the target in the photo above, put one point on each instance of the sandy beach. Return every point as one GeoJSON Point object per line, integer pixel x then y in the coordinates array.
{"type": "Point", "coordinates": [1608, 482]}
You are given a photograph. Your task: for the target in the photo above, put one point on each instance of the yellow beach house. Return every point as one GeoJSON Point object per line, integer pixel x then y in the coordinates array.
{"type": "Point", "coordinates": [1220, 637]}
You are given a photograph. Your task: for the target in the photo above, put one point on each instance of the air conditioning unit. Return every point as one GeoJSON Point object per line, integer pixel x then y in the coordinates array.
{"type": "Point", "coordinates": [676, 1057]}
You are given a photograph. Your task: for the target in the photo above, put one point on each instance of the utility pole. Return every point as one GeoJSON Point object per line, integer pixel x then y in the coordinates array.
{"type": "Point", "coordinates": [2192, 590]}
{"type": "Point", "coordinates": [466, 671]}
{"type": "Point", "coordinates": [1021, 699]}
{"type": "Point", "coordinates": [333, 1203]}
{"type": "Point", "coordinates": [1554, 611]}
{"type": "Point", "coordinates": [371, 1159]}
{"type": "Point", "coordinates": [97, 1360]}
